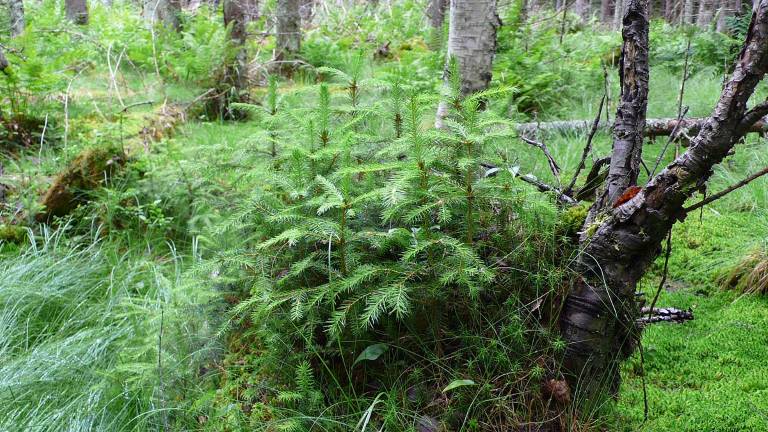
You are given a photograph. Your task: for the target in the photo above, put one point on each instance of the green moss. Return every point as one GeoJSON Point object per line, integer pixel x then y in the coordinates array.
{"type": "Point", "coordinates": [572, 220]}
{"type": "Point", "coordinates": [12, 234]}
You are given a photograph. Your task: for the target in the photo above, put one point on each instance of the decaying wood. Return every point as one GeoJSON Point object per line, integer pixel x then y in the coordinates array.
{"type": "Point", "coordinates": [598, 320]}
{"type": "Point", "coordinates": [653, 127]}
{"type": "Point", "coordinates": [670, 315]}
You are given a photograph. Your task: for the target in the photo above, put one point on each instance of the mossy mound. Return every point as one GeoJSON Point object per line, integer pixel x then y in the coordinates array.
{"type": "Point", "coordinates": [88, 171]}
{"type": "Point", "coordinates": [12, 234]}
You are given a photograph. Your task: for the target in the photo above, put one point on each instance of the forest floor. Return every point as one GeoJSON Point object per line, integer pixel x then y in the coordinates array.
{"type": "Point", "coordinates": [708, 374]}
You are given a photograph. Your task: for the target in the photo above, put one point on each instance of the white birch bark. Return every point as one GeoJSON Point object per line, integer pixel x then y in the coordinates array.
{"type": "Point", "coordinates": [16, 16]}
{"type": "Point", "coordinates": [472, 44]}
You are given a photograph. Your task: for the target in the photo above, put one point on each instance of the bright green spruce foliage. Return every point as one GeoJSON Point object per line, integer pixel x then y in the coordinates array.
{"type": "Point", "coordinates": [399, 240]}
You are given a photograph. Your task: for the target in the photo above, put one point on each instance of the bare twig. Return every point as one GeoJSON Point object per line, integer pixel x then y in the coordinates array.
{"type": "Point", "coordinates": [682, 91]}
{"type": "Point", "coordinates": [664, 274]}
{"type": "Point", "coordinates": [492, 170]}
{"type": "Point", "coordinates": [552, 164]}
{"type": "Point", "coordinates": [587, 148]}
{"type": "Point", "coordinates": [727, 190]}
{"type": "Point", "coordinates": [672, 137]}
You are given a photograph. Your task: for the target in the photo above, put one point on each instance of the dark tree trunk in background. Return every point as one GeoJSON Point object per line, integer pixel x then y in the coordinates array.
{"type": "Point", "coordinates": [436, 13]}
{"type": "Point", "coordinates": [77, 11]}
{"type": "Point", "coordinates": [687, 15]}
{"type": "Point", "coordinates": [606, 15]}
{"type": "Point", "coordinates": [598, 318]}
{"type": "Point", "coordinates": [472, 44]}
{"type": "Point", "coordinates": [583, 9]}
{"type": "Point", "coordinates": [288, 31]}
{"type": "Point", "coordinates": [3, 60]}
{"type": "Point", "coordinates": [706, 13]}
{"type": "Point", "coordinates": [163, 11]}
{"type": "Point", "coordinates": [16, 16]}
{"type": "Point", "coordinates": [250, 10]}
{"type": "Point", "coordinates": [307, 11]}
{"type": "Point", "coordinates": [235, 20]}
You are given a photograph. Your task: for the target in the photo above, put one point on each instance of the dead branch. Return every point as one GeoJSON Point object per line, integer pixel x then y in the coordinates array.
{"type": "Point", "coordinates": [587, 147]}
{"type": "Point", "coordinates": [670, 315]}
{"type": "Point", "coordinates": [727, 190]}
{"type": "Point", "coordinates": [553, 166]}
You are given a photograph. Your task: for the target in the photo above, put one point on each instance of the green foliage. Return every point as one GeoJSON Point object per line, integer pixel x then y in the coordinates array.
{"type": "Point", "coordinates": [81, 327]}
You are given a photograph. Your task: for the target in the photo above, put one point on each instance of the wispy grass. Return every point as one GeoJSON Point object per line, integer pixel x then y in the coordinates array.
{"type": "Point", "coordinates": [80, 330]}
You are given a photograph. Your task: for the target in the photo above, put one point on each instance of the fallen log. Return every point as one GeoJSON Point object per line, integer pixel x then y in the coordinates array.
{"type": "Point", "coordinates": [670, 315]}
{"type": "Point", "coordinates": [653, 127]}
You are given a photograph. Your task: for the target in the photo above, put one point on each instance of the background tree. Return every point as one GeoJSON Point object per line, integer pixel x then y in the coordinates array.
{"type": "Point", "coordinates": [583, 9]}
{"type": "Point", "coordinates": [163, 11]}
{"type": "Point", "coordinates": [606, 17]}
{"type": "Point", "coordinates": [472, 45]}
{"type": "Point", "coordinates": [77, 11]}
{"type": "Point", "coordinates": [706, 12]}
{"type": "Point", "coordinates": [288, 32]}
{"type": "Point", "coordinates": [235, 20]}
{"type": "Point", "coordinates": [436, 13]}
{"type": "Point", "coordinates": [16, 15]}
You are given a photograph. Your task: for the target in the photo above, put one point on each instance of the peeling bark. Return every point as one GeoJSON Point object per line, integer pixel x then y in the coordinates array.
{"type": "Point", "coordinates": [599, 313]}
{"type": "Point", "coordinates": [630, 114]}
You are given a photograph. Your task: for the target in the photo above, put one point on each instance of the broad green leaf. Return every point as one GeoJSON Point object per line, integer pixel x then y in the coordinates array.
{"type": "Point", "coordinates": [373, 352]}
{"type": "Point", "coordinates": [456, 384]}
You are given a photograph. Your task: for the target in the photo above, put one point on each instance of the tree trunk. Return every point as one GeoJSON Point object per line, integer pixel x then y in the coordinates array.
{"type": "Point", "coordinates": [687, 15]}
{"type": "Point", "coordinates": [307, 11]}
{"type": "Point", "coordinates": [669, 8]}
{"type": "Point", "coordinates": [251, 10]}
{"type": "Point", "coordinates": [436, 13]}
{"type": "Point", "coordinates": [618, 13]}
{"type": "Point", "coordinates": [633, 100]}
{"type": "Point", "coordinates": [163, 11]}
{"type": "Point", "coordinates": [583, 9]}
{"type": "Point", "coordinates": [235, 20]}
{"type": "Point", "coordinates": [606, 17]}
{"type": "Point", "coordinates": [77, 11]}
{"type": "Point", "coordinates": [472, 45]}
{"type": "Point", "coordinates": [16, 16]}
{"type": "Point", "coordinates": [597, 322]}
{"type": "Point", "coordinates": [3, 61]}
{"type": "Point", "coordinates": [706, 13]}
{"type": "Point", "coordinates": [288, 30]}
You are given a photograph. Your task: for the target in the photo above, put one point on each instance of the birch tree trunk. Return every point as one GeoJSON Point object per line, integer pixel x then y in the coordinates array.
{"type": "Point", "coordinates": [436, 13]}
{"type": "Point", "coordinates": [606, 17]}
{"type": "Point", "coordinates": [583, 9]}
{"type": "Point", "coordinates": [706, 13]}
{"type": "Point", "coordinates": [618, 13]}
{"type": "Point", "coordinates": [687, 15]}
{"type": "Point", "coordinates": [77, 11]}
{"type": "Point", "coordinates": [472, 45]}
{"type": "Point", "coordinates": [235, 20]}
{"type": "Point", "coordinates": [163, 11]}
{"type": "Point", "coordinates": [288, 30]}
{"type": "Point", "coordinates": [16, 16]}
{"type": "Point", "coordinates": [597, 322]}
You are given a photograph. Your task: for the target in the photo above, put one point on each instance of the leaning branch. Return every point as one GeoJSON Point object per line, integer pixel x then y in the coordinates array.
{"type": "Point", "coordinates": [727, 190]}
